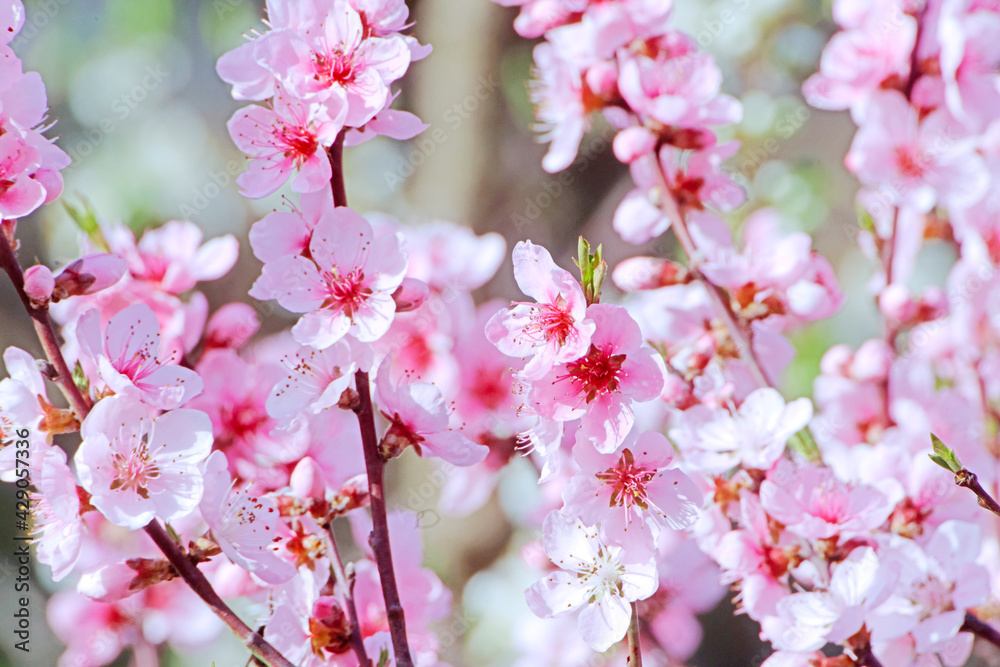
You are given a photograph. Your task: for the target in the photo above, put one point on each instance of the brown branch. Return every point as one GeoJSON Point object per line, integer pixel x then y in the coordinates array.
{"type": "Point", "coordinates": [980, 629]}
{"type": "Point", "coordinates": [634, 651]}
{"type": "Point", "coordinates": [865, 657]}
{"type": "Point", "coordinates": [741, 336]}
{"type": "Point", "coordinates": [203, 589]}
{"type": "Point", "coordinates": [347, 591]}
{"type": "Point", "coordinates": [968, 479]}
{"type": "Point", "coordinates": [336, 155]}
{"type": "Point", "coordinates": [374, 463]}
{"type": "Point", "coordinates": [379, 538]}
{"type": "Point", "coordinates": [43, 327]}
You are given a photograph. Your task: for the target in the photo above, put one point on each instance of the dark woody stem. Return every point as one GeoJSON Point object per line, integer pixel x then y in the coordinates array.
{"type": "Point", "coordinates": [347, 588]}
{"type": "Point", "coordinates": [374, 464]}
{"type": "Point", "coordinates": [81, 406]}
{"type": "Point", "coordinates": [203, 589]}
{"type": "Point", "coordinates": [43, 327]}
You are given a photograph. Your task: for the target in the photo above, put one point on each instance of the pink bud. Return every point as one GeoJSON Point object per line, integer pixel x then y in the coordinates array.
{"type": "Point", "coordinates": [896, 304]}
{"type": "Point", "coordinates": [632, 143]}
{"type": "Point", "coordinates": [933, 304]}
{"type": "Point", "coordinates": [38, 284]}
{"type": "Point", "coordinates": [110, 583]}
{"type": "Point", "coordinates": [232, 325]}
{"type": "Point", "coordinates": [602, 79]}
{"type": "Point", "coordinates": [354, 492]}
{"type": "Point", "coordinates": [307, 480]}
{"type": "Point", "coordinates": [89, 275]}
{"type": "Point", "coordinates": [642, 273]}
{"type": "Point", "coordinates": [410, 295]}
{"type": "Point", "coordinates": [872, 361]}
{"type": "Point", "coordinates": [836, 361]}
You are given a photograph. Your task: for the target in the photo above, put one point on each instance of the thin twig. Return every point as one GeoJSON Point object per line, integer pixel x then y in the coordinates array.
{"type": "Point", "coordinates": [865, 657]}
{"type": "Point", "coordinates": [379, 538]}
{"type": "Point", "coordinates": [64, 380]}
{"type": "Point", "coordinates": [980, 629]}
{"type": "Point", "coordinates": [968, 479]}
{"type": "Point", "coordinates": [634, 651]}
{"type": "Point", "coordinates": [43, 327]}
{"type": "Point", "coordinates": [374, 463]}
{"type": "Point", "coordinates": [347, 592]}
{"type": "Point", "coordinates": [740, 336]}
{"type": "Point", "coordinates": [203, 589]}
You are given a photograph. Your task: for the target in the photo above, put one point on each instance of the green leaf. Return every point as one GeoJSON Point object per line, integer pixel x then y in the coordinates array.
{"type": "Point", "coordinates": [86, 220]}
{"type": "Point", "coordinates": [174, 535]}
{"type": "Point", "coordinates": [80, 379]}
{"type": "Point", "coordinates": [383, 658]}
{"type": "Point", "coordinates": [865, 220]}
{"type": "Point", "coordinates": [804, 444]}
{"type": "Point", "coordinates": [593, 269]}
{"type": "Point", "coordinates": [943, 456]}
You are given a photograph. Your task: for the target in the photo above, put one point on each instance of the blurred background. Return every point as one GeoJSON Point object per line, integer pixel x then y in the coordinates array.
{"type": "Point", "coordinates": [138, 106]}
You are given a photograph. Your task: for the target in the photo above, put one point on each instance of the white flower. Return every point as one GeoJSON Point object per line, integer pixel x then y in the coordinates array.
{"type": "Point", "coordinates": [593, 577]}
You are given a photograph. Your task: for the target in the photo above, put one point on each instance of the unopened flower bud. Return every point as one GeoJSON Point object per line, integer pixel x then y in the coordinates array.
{"type": "Point", "coordinates": [88, 275]}
{"type": "Point", "coordinates": [38, 285]}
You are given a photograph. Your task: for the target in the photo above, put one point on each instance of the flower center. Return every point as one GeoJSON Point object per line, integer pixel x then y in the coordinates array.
{"type": "Point", "coordinates": [346, 292]}
{"type": "Point", "coordinates": [334, 67]}
{"type": "Point", "coordinates": [301, 144]}
{"type": "Point", "coordinates": [134, 469]}
{"type": "Point", "coordinates": [596, 373]}
{"type": "Point", "coordinates": [628, 482]}
{"type": "Point", "coordinates": [910, 162]}
{"type": "Point", "coordinates": [551, 321]}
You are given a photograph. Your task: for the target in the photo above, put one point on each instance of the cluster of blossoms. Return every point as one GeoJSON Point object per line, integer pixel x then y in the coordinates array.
{"type": "Point", "coordinates": [213, 464]}
{"type": "Point", "coordinates": [240, 453]}
{"type": "Point", "coordinates": [852, 536]}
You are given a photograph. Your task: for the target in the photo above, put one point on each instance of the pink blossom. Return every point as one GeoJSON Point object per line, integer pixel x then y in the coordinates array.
{"type": "Point", "coordinates": [753, 435]}
{"type": "Point", "coordinates": [969, 42]}
{"type": "Point", "coordinates": [291, 135]}
{"type": "Point", "coordinates": [38, 284]}
{"type": "Point", "coordinates": [938, 583]}
{"type": "Point", "coordinates": [419, 417]}
{"type": "Point", "coordinates": [632, 492]}
{"type": "Point", "coordinates": [172, 257]}
{"type": "Point", "coordinates": [347, 286]}
{"type": "Point", "coordinates": [556, 328]}
{"type": "Point", "coordinates": [88, 275]}
{"type": "Point", "coordinates": [127, 358]}
{"type": "Point", "coordinates": [674, 85]}
{"type": "Point", "coordinates": [562, 101]}
{"type": "Point", "coordinates": [316, 379]}
{"type": "Point", "coordinates": [335, 58]}
{"type": "Point", "coordinates": [11, 19]}
{"type": "Point", "coordinates": [811, 502]}
{"type": "Point", "coordinates": [287, 233]}
{"type": "Point", "coordinates": [753, 557]}
{"type": "Point", "coordinates": [242, 524]}
{"type": "Point", "coordinates": [451, 257]}
{"type": "Point", "coordinates": [923, 162]}
{"type": "Point", "coordinates": [538, 16]}
{"type": "Point", "coordinates": [232, 325]}
{"type": "Point", "coordinates": [876, 49]}
{"type": "Point", "coordinates": [235, 397]}
{"type": "Point", "coordinates": [602, 386]}
{"type": "Point", "coordinates": [593, 579]}
{"type": "Point", "coordinates": [138, 466]}
{"type": "Point", "coordinates": [775, 274]}
{"type": "Point", "coordinates": [19, 193]}
{"type": "Point", "coordinates": [859, 584]}
{"type": "Point", "coordinates": [56, 512]}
